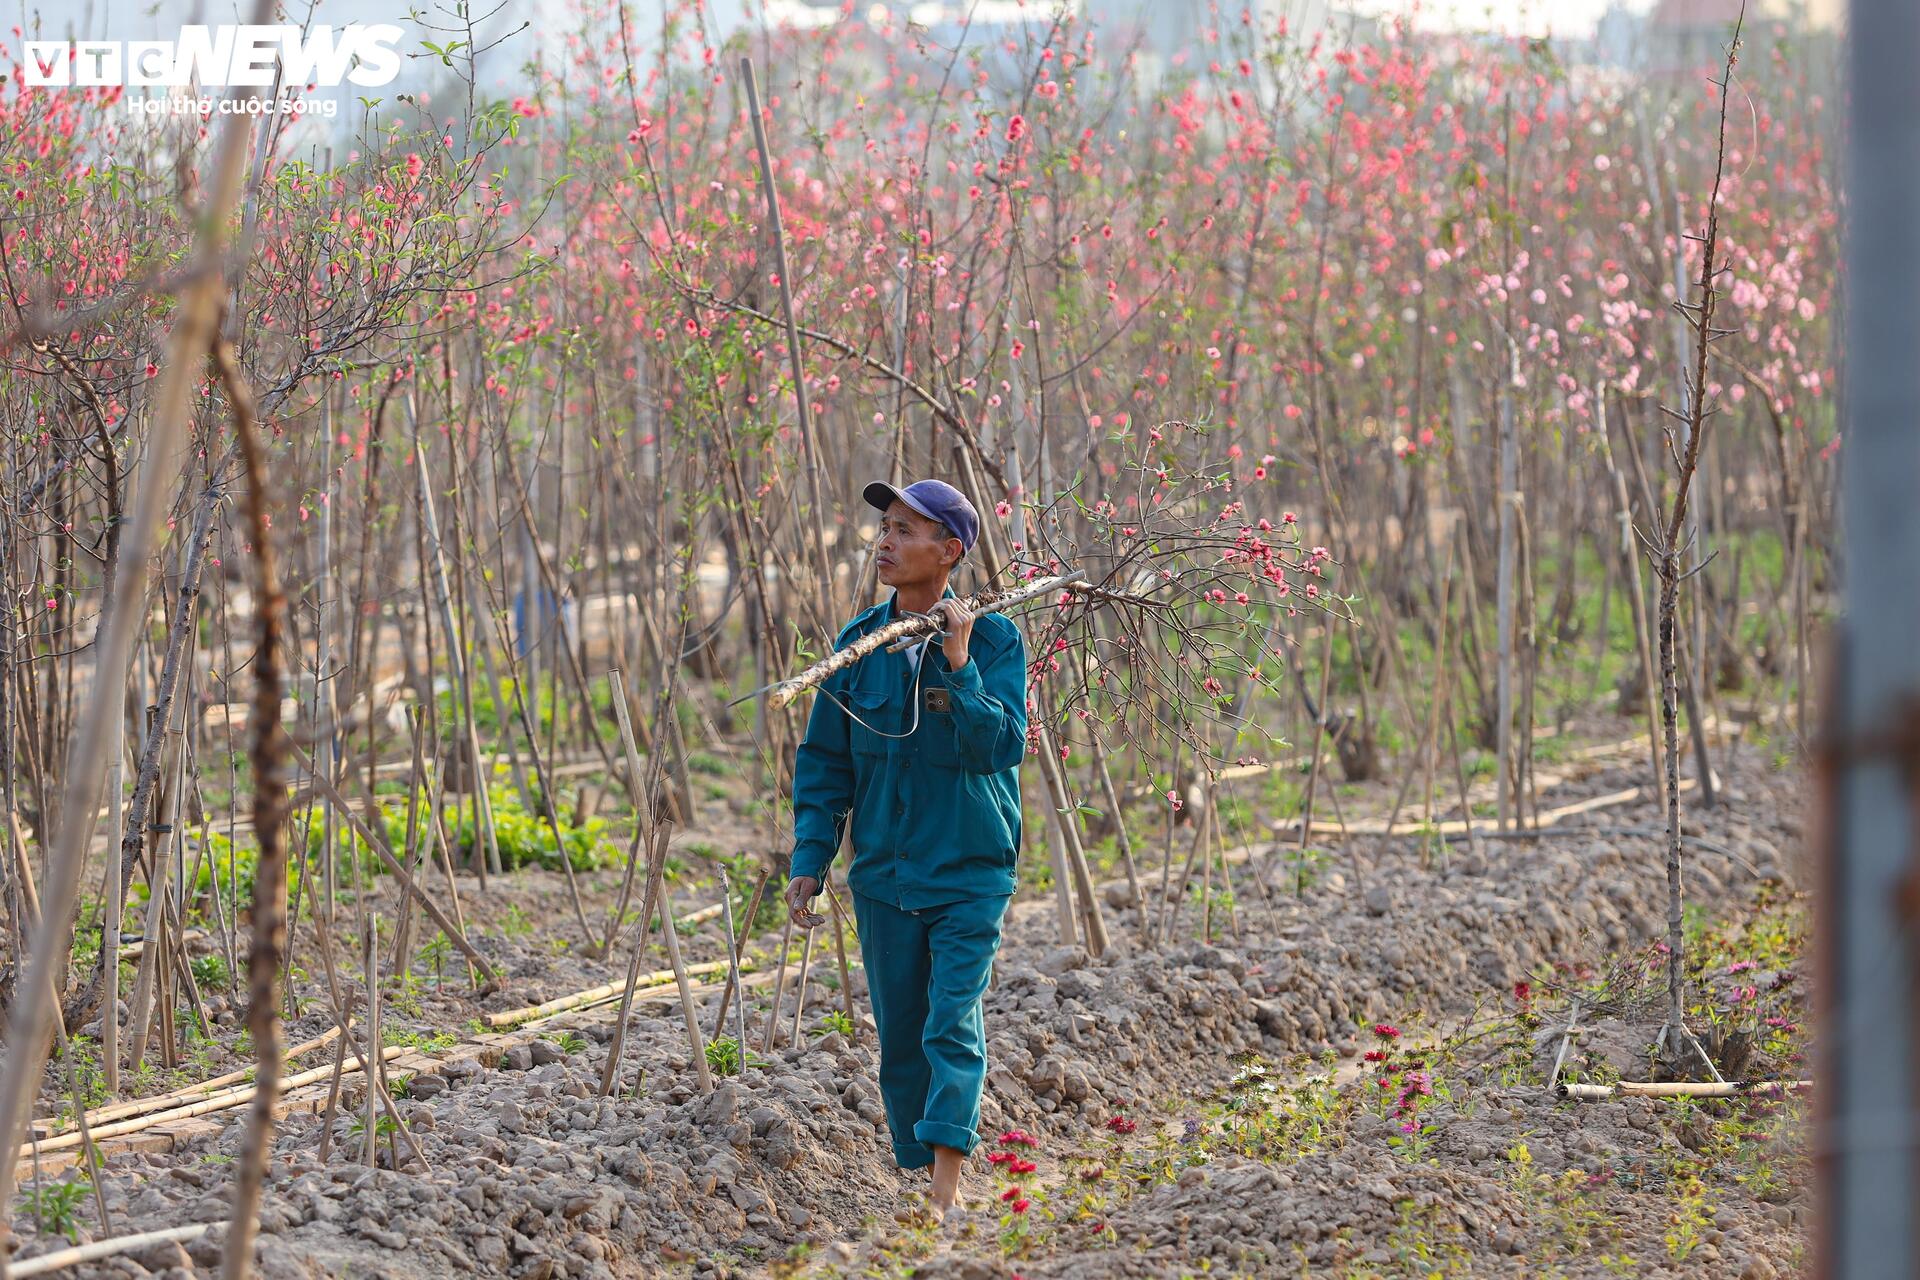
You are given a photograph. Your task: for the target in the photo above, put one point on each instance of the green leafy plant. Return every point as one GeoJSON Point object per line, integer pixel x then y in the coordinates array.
{"type": "Point", "coordinates": [55, 1208]}
{"type": "Point", "coordinates": [1691, 1220]}
{"type": "Point", "coordinates": [436, 951]}
{"type": "Point", "coordinates": [835, 1020]}
{"type": "Point", "coordinates": [383, 1127]}
{"type": "Point", "coordinates": [210, 971]}
{"type": "Point", "coordinates": [723, 1057]}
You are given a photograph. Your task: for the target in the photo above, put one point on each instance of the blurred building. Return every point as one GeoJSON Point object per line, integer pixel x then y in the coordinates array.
{"type": "Point", "coordinates": [1678, 37]}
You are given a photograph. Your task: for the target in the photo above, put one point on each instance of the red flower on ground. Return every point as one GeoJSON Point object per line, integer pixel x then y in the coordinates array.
{"type": "Point", "coordinates": [1386, 1031]}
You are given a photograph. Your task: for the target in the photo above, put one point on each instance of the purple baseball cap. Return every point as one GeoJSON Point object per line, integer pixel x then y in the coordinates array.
{"type": "Point", "coordinates": [934, 499]}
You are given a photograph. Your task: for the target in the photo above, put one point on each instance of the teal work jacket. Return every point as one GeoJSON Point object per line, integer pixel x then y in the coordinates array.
{"type": "Point", "coordinates": [935, 813]}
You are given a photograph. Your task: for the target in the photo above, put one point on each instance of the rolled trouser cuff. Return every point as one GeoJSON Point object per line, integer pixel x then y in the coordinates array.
{"type": "Point", "coordinates": [912, 1155]}
{"type": "Point", "coordinates": [935, 1133]}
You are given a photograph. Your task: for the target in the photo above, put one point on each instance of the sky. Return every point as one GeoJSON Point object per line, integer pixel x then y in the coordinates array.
{"type": "Point", "coordinates": [1520, 17]}
{"type": "Point", "coordinates": [144, 19]}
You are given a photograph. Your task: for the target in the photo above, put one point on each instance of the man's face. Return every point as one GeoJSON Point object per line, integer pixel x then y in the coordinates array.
{"type": "Point", "coordinates": [913, 549]}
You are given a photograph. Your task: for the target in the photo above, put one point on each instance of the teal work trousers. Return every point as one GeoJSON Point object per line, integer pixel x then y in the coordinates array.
{"type": "Point", "coordinates": [926, 973]}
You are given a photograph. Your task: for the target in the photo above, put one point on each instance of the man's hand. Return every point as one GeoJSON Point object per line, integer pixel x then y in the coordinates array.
{"type": "Point", "coordinates": [800, 891]}
{"type": "Point", "coordinates": [957, 620]}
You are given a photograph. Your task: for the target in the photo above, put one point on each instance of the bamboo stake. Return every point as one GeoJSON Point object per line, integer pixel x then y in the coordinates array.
{"type": "Point", "coordinates": [444, 848]}
{"type": "Point", "coordinates": [779, 986]}
{"type": "Point", "coordinates": [378, 843]}
{"type": "Point", "coordinates": [1313, 754]}
{"type": "Point", "coordinates": [1062, 889]}
{"type": "Point", "coordinates": [1636, 596]}
{"type": "Point", "coordinates": [443, 597]}
{"type": "Point", "coordinates": [1159, 926]}
{"type": "Point", "coordinates": [656, 865]}
{"type": "Point", "coordinates": [372, 1067]}
{"type": "Point", "coordinates": [418, 844]}
{"type": "Point", "coordinates": [150, 975]}
{"type": "Point", "coordinates": [617, 690]}
{"type": "Point", "coordinates": [695, 1042]}
{"type": "Point", "coordinates": [96, 1177]}
{"type": "Point", "coordinates": [333, 1095]}
{"type": "Point", "coordinates": [1566, 1043]}
{"type": "Point", "coordinates": [1120, 831]}
{"type": "Point", "coordinates": [1206, 857]}
{"type": "Point", "coordinates": [738, 948]}
{"type": "Point", "coordinates": [733, 977]}
{"type": "Point", "coordinates": [808, 443]}
{"type": "Point", "coordinates": [840, 954]}
{"type": "Point", "coordinates": [1220, 851]}
{"type": "Point", "coordinates": [800, 987]}
{"type": "Point", "coordinates": [370, 957]}
{"type": "Point", "coordinates": [1093, 924]}
{"type": "Point", "coordinates": [116, 905]}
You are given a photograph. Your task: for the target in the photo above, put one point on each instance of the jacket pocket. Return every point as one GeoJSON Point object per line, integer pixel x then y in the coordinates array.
{"type": "Point", "coordinates": [937, 738]}
{"type": "Point", "coordinates": [865, 730]}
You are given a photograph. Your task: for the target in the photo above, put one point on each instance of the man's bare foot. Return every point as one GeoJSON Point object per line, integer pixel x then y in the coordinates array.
{"type": "Point", "coordinates": [947, 1163]}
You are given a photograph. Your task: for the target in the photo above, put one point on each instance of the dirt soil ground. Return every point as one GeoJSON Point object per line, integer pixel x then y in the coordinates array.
{"type": "Point", "coordinates": [1205, 1107]}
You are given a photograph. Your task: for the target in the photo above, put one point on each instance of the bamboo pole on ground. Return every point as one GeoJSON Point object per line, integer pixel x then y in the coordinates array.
{"type": "Point", "coordinates": [60, 1259]}
{"type": "Point", "coordinates": [595, 995]}
{"type": "Point", "coordinates": [163, 1101]}
{"type": "Point", "coordinates": [226, 1100]}
{"type": "Point", "coordinates": [1679, 1089]}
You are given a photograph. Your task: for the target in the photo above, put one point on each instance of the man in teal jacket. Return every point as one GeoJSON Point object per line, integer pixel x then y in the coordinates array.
{"type": "Point", "coordinates": [920, 751]}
